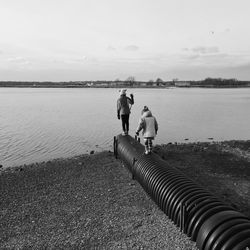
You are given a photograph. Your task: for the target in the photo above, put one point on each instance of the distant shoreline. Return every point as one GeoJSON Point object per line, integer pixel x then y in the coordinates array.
{"type": "Point", "coordinates": [131, 83]}
{"type": "Point", "coordinates": [124, 86]}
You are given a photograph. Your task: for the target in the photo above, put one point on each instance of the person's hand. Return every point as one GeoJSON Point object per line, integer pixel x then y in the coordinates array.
{"type": "Point", "coordinates": [118, 116]}
{"type": "Point", "coordinates": [137, 133]}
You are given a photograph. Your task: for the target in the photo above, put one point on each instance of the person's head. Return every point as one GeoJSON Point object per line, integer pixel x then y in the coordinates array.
{"type": "Point", "coordinates": [122, 91]}
{"type": "Point", "coordinates": [146, 112]}
{"type": "Point", "coordinates": [145, 108]}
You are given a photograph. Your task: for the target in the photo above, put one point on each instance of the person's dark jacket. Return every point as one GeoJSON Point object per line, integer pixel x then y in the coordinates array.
{"type": "Point", "coordinates": [124, 104]}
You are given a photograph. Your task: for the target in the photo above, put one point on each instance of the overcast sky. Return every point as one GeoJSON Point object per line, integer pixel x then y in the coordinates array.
{"type": "Point", "coordinates": [63, 40]}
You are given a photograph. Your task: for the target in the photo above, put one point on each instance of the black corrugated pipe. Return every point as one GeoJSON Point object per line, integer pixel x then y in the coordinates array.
{"type": "Point", "coordinates": [209, 222]}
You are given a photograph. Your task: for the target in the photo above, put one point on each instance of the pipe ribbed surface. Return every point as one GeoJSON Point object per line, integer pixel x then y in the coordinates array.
{"type": "Point", "coordinates": [209, 222]}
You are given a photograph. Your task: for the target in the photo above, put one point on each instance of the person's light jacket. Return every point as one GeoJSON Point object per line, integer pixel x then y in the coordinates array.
{"type": "Point", "coordinates": [148, 125]}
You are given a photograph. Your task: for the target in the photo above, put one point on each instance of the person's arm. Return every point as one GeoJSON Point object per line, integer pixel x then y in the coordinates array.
{"type": "Point", "coordinates": [156, 126]}
{"type": "Point", "coordinates": [118, 108]}
{"type": "Point", "coordinates": [140, 126]}
{"type": "Point", "coordinates": [131, 99]}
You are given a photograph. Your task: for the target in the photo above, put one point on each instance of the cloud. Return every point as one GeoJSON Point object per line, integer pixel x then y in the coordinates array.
{"type": "Point", "coordinates": [192, 57]}
{"type": "Point", "coordinates": [15, 59]}
{"type": "Point", "coordinates": [80, 59]}
{"type": "Point", "coordinates": [111, 48]}
{"type": "Point", "coordinates": [18, 60]}
{"type": "Point", "coordinates": [205, 50]}
{"type": "Point", "coordinates": [202, 55]}
{"type": "Point", "coordinates": [202, 50]}
{"type": "Point", "coordinates": [131, 48]}
{"type": "Point", "coordinates": [72, 62]}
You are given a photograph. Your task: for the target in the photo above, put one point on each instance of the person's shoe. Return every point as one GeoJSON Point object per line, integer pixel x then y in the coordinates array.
{"type": "Point", "coordinates": [126, 132]}
{"type": "Point", "coordinates": [146, 152]}
{"type": "Point", "coordinates": [123, 133]}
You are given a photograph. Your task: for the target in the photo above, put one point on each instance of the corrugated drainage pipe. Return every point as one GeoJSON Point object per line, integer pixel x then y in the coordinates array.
{"type": "Point", "coordinates": [209, 222]}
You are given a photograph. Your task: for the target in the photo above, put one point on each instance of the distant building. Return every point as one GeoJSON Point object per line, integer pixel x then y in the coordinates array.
{"type": "Point", "coordinates": [89, 84]}
{"type": "Point", "coordinates": [104, 84]}
{"type": "Point", "coordinates": [182, 84]}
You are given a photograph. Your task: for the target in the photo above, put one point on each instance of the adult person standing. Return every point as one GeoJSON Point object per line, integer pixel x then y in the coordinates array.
{"type": "Point", "coordinates": [124, 105]}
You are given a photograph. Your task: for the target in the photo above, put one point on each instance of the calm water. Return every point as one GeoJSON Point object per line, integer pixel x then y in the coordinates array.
{"type": "Point", "coordinates": [42, 124]}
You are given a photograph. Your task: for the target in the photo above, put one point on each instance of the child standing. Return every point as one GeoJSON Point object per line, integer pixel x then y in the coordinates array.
{"type": "Point", "coordinates": [149, 127]}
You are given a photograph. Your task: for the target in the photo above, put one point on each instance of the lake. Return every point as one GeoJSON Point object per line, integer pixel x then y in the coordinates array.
{"type": "Point", "coordinates": [38, 124]}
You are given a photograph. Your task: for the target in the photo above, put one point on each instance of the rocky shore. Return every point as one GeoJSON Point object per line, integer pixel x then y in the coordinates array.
{"type": "Point", "coordinates": [91, 201]}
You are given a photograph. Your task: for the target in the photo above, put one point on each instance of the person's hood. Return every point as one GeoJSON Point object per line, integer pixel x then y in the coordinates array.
{"type": "Point", "coordinates": [147, 114]}
{"type": "Point", "coordinates": [122, 91]}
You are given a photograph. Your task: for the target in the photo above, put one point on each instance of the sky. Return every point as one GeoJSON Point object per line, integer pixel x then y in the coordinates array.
{"type": "Point", "coordinates": [77, 40]}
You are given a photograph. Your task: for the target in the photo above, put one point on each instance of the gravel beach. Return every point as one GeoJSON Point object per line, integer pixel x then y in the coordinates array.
{"type": "Point", "coordinates": [86, 202]}
{"type": "Point", "coordinates": [91, 201]}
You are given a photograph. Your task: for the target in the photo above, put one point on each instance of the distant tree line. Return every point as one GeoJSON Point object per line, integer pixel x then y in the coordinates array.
{"type": "Point", "coordinates": [130, 82]}
{"type": "Point", "coordinates": [220, 82]}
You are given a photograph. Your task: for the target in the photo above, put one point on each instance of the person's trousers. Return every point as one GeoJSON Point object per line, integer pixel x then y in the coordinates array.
{"type": "Point", "coordinates": [148, 144]}
{"type": "Point", "coordinates": [125, 122]}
